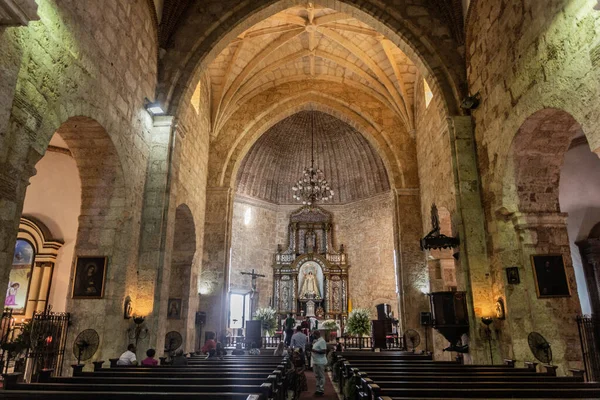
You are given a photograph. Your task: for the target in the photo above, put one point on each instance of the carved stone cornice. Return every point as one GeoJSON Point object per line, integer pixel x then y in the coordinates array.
{"type": "Point", "coordinates": [18, 12]}
{"type": "Point", "coordinates": [523, 221]}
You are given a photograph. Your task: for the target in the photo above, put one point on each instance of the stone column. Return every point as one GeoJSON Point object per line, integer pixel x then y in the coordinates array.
{"type": "Point", "coordinates": [13, 185]}
{"type": "Point", "coordinates": [411, 267]}
{"type": "Point", "coordinates": [590, 255]}
{"type": "Point", "coordinates": [554, 318]}
{"type": "Point", "coordinates": [156, 239]}
{"type": "Point", "coordinates": [474, 271]}
{"type": "Point", "coordinates": [214, 279]}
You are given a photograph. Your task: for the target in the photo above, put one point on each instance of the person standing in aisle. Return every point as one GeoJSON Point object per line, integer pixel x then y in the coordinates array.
{"type": "Point", "coordinates": [319, 361]}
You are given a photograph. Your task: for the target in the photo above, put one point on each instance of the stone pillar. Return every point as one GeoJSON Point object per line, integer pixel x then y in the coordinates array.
{"type": "Point", "coordinates": [554, 318]}
{"type": "Point", "coordinates": [13, 185]}
{"type": "Point", "coordinates": [214, 279]}
{"type": "Point", "coordinates": [411, 267]}
{"type": "Point", "coordinates": [156, 239]}
{"type": "Point", "coordinates": [590, 255]}
{"type": "Point", "coordinates": [474, 271]}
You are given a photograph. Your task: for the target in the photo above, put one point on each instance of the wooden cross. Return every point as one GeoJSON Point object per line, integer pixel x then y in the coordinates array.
{"type": "Point", "coordinates": [254, 275]}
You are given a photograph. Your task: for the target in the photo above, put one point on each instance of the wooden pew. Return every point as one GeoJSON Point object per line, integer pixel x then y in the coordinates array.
{"type": "Point", "coordinates": [376, 378]}
{"type": "Point", "coordinates": [256, 379]}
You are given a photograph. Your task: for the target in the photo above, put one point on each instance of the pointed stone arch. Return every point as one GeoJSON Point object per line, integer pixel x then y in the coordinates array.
{"type": "Point", "coordinates": [442, 65]}
{"type": "Point", "coordinates": [401, 167]}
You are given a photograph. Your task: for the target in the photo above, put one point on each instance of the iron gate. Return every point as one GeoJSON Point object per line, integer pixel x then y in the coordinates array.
{"type": "Point", "coordinates": [48, 342]}
{"type": "Point", "coordinates": [589, 335]}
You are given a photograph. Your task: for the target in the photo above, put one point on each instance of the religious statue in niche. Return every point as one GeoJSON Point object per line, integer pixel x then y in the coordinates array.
{"type": "Point", "coordinates": [311, 242]}
{"type": "Point", "coordinates": [285, 298]}
{"type": "Point", "coordinates": [337, 298]}
{"type": "Point", "coordinates": [310, 287]}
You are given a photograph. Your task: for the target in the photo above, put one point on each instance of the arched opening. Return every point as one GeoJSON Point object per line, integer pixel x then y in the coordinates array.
{"type": "Point", "coordinates": [361, 209]}
{"type": "Point", "coordinates": [78, 198]}
{"type": "Point", "coordinates": [181, 305]}
{"type": "Point", "coordinates": [189, 59]}
{"type": "Point", "coordinates": [54, 198]}
{"type": "Point", "coordinates": [533, 190]}
{"type": "Point", "coordinates": [306, 57]}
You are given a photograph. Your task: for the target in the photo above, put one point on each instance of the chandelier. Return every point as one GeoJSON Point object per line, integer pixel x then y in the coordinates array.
{"type": "Point", "coordinates": [313, 186]}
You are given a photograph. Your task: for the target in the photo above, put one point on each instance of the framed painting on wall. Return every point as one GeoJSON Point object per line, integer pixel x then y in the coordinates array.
{"type": "Point", "coordinates": [90, 273]}
{"type": "Point", "coordinates": [19, 281]}
{"type": "Point", "coordinates": [174, 310]}
{"type": "Point", "coordinates": [550, 275]}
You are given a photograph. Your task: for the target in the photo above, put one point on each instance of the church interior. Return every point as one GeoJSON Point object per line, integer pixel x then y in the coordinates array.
{"type": "Point", "coordinates": [414, 180]}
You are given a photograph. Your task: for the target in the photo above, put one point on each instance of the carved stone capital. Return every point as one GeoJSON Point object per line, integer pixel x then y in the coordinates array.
{"type": "Point", "coordinates": [525, 221]}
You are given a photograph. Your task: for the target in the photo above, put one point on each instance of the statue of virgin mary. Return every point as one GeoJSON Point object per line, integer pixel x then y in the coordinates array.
{"type": "Point", "coordinates": [310, 286]}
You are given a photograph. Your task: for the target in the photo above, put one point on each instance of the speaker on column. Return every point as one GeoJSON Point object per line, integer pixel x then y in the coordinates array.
{"type": "Point", "coordinates": [200, 318]}
{"type": "Point", "coordinates": [425, 318]}
{"type": "Point", "coordinates": [383, 311]}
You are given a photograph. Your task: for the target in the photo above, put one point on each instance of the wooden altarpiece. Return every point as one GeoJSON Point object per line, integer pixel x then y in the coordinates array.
{"type": "Point", "coordinates": [310, 277]}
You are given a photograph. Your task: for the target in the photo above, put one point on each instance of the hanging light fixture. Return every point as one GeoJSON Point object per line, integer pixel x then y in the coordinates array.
{"type": "Point", "coordinates": [313, 186]}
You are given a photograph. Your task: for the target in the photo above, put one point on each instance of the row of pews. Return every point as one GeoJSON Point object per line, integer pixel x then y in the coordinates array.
{"type": "Point", "coordinates": [241, 377]}
{"type": "Point", "coordinates": [401, 376]}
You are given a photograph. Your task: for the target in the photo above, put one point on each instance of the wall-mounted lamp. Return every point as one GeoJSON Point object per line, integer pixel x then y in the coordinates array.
{"type": "Point", "coordinates": [487, 321]}
{"type": "Point", "coordinates": [138, 332]}
{"type": "Point", "coordinates": [471, 102]}
{"type": "Point", "coordinates": [154, 108]}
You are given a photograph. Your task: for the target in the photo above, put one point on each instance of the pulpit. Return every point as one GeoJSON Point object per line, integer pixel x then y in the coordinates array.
{"type": "Point", "coordinates": [310, 277]}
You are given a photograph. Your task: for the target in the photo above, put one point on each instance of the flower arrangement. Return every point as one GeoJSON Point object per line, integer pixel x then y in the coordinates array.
{"type": "Point", "coordinates": [268, 316]}
{"type": "Point", "coordinates": [329, 324]}
{"type": "Point", "coordinates": [359, 322]}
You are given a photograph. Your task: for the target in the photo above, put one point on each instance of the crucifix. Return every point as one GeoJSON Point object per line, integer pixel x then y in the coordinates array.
{"type": "Point", "coordinates": [254, 275]}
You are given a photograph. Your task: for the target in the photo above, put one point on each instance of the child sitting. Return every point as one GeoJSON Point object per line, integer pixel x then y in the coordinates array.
{"type": "Point", "coordinates": [150, 361]}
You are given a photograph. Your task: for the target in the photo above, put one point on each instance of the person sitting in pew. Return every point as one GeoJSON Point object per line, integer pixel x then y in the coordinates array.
{"type": "Point", "coordinates": [180, 359]}
{"type": "Point", "coordinates": [150, 361]}
{"type": "Point", "coordinates": [280, 350]}
{"type": "Point", "coordinates": [238, 350]}
{"type": "Point", "coordinates": [254, 350]}
{"type": "Point", "coordinates": [209, 345]}
{"type": "Point", "coordinates": [128, 357]}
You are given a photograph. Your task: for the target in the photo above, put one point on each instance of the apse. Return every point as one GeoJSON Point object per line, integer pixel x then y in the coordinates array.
{"type": "Point", "coordinates": [276, 161]}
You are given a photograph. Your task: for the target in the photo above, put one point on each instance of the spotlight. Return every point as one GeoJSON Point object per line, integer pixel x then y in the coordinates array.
{"type": "Point", "coordinates": [471, 102]}
{"type": "Point", "coordinates": [154, 108]}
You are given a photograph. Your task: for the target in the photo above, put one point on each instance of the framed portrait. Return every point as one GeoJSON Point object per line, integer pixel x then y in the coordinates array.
{"type": "Point", "coordinates": [550, 275]}
{"type": "Point", "coordinates": [90, 273]}
{"type": "Point", "coordinates": [512, 275]}
{"type": "Point", "coordinates": [17, 292]}
{"type": "Point", "coordinates": [174, 309]}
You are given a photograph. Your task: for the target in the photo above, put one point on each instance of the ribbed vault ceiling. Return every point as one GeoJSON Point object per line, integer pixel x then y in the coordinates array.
{"type": "Point", "coordinates": [276, 161]}
{"type": "Point", "coordinates": [311, 42]}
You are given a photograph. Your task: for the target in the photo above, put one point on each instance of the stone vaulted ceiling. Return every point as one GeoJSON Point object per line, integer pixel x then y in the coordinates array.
{"type": "Point", "coordinates": [311, 42]}
{"type": "Point", "coordinates": [276, 161]}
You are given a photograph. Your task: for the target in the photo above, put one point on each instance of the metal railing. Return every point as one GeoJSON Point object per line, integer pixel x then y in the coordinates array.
{"type": "Point", "coordinates": [589, 336]}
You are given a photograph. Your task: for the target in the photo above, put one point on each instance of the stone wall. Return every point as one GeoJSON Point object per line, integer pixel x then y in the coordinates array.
{"type": "Point", "coordinates": [434, 156]}
{"type": "Point", "coordinates": [531, 107]}
{"type": "Point", "coordinates": [84, 69]}
{"type": "Point", "coordinates": [190, 165]}
{"type": "Point", "coordinates": [253, 245]}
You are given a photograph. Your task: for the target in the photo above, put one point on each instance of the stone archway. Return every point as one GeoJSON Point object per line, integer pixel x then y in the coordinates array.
{"type": "Point", "coordinates": [187, 59]}
{"type": "Point", "coordinates": [531, 223]}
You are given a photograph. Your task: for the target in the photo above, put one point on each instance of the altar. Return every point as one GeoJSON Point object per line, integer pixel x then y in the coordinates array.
{"type": "Point", "coordinates": [310, 277]}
